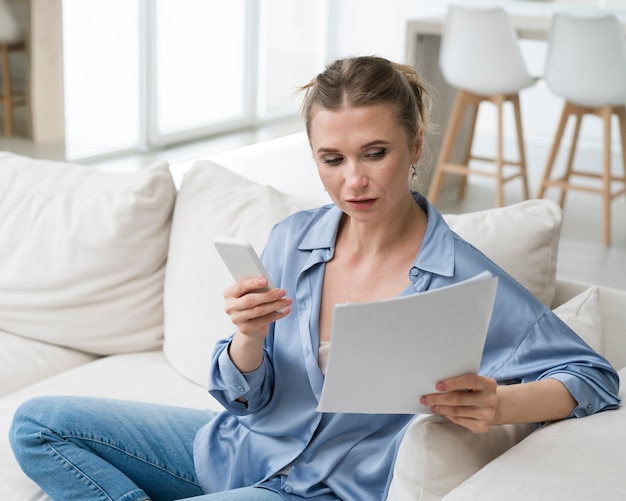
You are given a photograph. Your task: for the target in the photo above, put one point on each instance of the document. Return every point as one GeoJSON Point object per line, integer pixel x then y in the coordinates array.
{"type": "Point", "coordinates": [385, 355]}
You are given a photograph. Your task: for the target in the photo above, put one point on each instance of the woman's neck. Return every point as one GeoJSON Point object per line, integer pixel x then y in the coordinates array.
{"type": "Point", "coordinates": [369, 239]}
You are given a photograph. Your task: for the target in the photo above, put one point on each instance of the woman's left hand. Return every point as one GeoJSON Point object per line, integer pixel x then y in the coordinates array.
{"type": "Point", "coordinates": [469, 400]}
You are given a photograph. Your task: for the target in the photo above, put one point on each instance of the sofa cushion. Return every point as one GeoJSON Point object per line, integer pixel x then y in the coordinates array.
{"type": "Point", "coordinates": [582, 314]}
{"type": "Point", "coordinates": [25, 361]}
{"type": "Point", "coordinates": [522, 238]}
{"type": "Point", "coordinates": [436, 455]}
{"type": "Point", "coordinates": [82, 254]}
{"type": "Point", "coordinates": [213, 201]}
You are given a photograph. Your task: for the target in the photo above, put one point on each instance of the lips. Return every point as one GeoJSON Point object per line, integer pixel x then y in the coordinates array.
{"type": "Point", "coordinates": [362, 203]}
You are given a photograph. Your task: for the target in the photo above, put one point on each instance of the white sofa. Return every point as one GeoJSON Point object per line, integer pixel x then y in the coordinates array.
{"type": "Point", "coordinates": [110, 286]}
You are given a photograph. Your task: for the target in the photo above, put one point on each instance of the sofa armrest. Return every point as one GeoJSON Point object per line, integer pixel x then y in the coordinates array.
{"type": "Point", "coordinates": [574, 459]}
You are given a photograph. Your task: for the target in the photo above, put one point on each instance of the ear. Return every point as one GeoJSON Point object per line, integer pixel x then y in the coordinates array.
{"type": "Point", "coordinates": [418, 145]}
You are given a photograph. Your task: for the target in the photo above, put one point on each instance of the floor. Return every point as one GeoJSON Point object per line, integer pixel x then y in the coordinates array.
{"type": "Point", "coordinates": [582, 256]}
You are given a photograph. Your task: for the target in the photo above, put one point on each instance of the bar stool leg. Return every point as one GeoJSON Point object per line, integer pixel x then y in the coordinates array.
{"type": "Point", "coordinates": [554, 150]}
{"type": "Point", "coordinates": [473, 102]}
{"type": "Point", "coordinates": [448, 142]}
{"type": "Point", "coordinates": [6, 90]}
{"type": "Point", "coordinates": [520, 144]}
{"type": "Point", "coordinates": [621, 117]}
{"type": "Point", "coordinates": [569, 167]}
{"type": "Point", "coordinates": [499, 152]}
{"type": "Point", "coordinates": [606, 113]}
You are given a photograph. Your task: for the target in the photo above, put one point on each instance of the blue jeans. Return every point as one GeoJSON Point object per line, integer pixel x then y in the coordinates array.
{"type": "Point", "coordinates": [85, 449]}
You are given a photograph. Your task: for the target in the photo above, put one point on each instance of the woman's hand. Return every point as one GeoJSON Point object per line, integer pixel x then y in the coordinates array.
{"type": "Point", "coordinates": [478, 402]}
{"type": "Point", "coordinates": [252, 309]}
{"type": "Point", "coordinates": [469, 400]}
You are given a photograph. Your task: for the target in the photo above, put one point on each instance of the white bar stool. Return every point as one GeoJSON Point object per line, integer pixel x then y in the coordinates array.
{"type": "Point", "coordinates": [586, 65]}
{"type": "Point", "coordinates": [11, 40]}
{"type": "Point", "coordinates": [481, 57]}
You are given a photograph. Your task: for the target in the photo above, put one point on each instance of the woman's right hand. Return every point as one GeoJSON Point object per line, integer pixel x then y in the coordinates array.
{"type": "Point", "coordinates": [252, 308]}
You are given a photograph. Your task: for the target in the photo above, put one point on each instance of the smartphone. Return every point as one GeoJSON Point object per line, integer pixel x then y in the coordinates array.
{"type": "Point", "coordinates": [241, 259]}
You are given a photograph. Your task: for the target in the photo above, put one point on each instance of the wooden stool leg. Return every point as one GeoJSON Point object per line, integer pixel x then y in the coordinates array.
{"type": "Point", "coordinates": [448, 142]}
{"type": "Point", "coordinates": [474, 103]}
{"type": "Point", "coordinates": [572, 154]}
{"type": "Point", "coordinates": [554, 150]}
{"type": "Point", "coordinates": [6, 90]}
{"type": "Point", "coordinates": [520, 144]}
{"type": "Point", "coordinates": [606, 114]}
{"type": "Point", "coordinates": [499, 101]}
{"type": "Point", "coordinates": [620, 111]}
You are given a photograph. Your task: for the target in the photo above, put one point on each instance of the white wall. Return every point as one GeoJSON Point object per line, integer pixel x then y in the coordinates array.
{"type": "Point", "coordinates": [373, 27]}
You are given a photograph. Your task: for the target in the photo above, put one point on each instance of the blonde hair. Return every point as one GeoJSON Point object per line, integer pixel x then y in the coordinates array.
{"type": "Point", "coordinates": [369, 80]}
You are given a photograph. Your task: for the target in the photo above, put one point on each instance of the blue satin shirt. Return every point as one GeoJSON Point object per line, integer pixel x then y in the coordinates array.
{"type": "Point", "coordinates": [351, 456]}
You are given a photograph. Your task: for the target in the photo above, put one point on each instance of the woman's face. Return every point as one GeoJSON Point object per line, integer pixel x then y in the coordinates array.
{"type": "Point", "coordinates": [363, 158]}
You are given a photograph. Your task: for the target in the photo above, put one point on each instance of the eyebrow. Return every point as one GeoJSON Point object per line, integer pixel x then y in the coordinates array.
{"type": "Point", "coordinates": [375, 142]}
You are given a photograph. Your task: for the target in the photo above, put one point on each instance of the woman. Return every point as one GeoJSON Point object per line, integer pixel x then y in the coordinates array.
{"type": "Point", "coordinates": [365, 119]}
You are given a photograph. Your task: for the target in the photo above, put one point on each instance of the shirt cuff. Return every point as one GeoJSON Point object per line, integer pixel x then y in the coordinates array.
{"type": "Point", "coordinates": [236, 384]}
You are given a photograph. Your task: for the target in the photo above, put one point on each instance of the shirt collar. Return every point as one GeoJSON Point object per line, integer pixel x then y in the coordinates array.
{"type": "Point", "coordinates": [437, 252]}
{"type": "Point", "coordinates": [323, 232]}
{"type": "Point", "coordinates": [435, 256]}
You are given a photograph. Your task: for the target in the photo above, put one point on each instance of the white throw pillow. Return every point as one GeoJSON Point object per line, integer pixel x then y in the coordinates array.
{"type": "Point", "coordinates": [582, 314]}
{"type": "Point", "coordinates": [436, 455]}
{"type": "Point", "coordinates": [522, 238]}
{"type": "Point", "coordinates": [213, 201]}
{"type": "Point", "coordinates": [82, 254]}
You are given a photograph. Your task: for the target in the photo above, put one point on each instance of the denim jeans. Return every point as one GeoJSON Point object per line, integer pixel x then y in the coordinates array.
{"type": "Point", "coordinates": [83, 449]}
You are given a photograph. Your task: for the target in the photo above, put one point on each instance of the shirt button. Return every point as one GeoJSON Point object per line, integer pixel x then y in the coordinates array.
{"type": "Point", "coordinates": [414, 272]}
{"type": "Point", "coordinates": [240, 388]}
{"type": "Point", "coordinates": [288, 489]}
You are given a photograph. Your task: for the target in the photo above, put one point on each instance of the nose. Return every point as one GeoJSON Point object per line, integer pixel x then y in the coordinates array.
{"type": "Point", "coordinates": [356, 176]}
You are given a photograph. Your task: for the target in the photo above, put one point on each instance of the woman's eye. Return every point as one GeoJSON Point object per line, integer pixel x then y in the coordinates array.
{"type": "Point", "coordinates": [377, 154]}
{"type": "Point", "coordinates": [332, 160]}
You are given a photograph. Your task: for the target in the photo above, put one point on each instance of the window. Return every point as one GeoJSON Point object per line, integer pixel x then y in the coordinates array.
{"type": "Point", "coordinates": [140, 74]}
{"type": "Point", "coordinates": [200, 63]}
{"type": "Point", "coordinates": [101, 61]}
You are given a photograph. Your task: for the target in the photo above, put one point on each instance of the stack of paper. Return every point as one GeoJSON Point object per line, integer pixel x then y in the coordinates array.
{"type": "Point", "coordinates": [386, 354]}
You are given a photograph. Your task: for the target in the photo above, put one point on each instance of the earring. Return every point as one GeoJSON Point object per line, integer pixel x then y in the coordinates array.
{"type": "Point", "coordinates": [414, 173]}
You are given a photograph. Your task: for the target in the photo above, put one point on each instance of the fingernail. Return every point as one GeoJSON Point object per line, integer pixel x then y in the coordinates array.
{"type": "Point", "coordinates": [440, 386]}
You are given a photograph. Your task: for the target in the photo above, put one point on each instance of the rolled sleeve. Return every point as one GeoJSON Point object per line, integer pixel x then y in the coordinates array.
{"type": "Point", "coordinates": [236, 384]}
{"type": "Point", "coordinates": [228, 385]}
{"type": "Point", "coordinates": [590, 396]}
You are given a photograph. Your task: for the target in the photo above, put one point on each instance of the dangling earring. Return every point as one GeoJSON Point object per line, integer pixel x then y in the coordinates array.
{"type": "Point", "coordinates": [414, 173]}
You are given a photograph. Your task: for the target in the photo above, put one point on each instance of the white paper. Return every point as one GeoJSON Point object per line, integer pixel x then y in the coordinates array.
{"type": "Point", "coordinates": [385, 355]}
